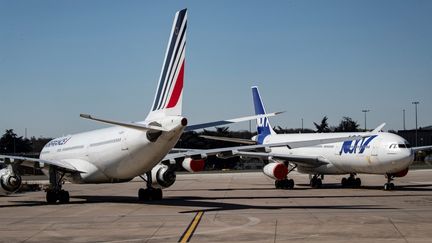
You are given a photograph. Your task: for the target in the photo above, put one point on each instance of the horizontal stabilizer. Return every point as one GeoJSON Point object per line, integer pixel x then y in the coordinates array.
{"type": "Point", "coordinates": [137, 126]}
{"type": "Point", "coordinates": [227, 122]}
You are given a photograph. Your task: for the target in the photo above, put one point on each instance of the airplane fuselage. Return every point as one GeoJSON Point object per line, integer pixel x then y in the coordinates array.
{"type": "Point", "coordinates": [113, 154]}
{"type": "Point", "coordinates": [377, 154]}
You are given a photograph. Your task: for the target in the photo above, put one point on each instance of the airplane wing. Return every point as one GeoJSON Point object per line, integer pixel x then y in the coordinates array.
{"type": "Point", "coordinates": [236, 151]}
{"type": "Point", "coordinates": [146, 127]}
{"type": "Point", "coordinates": [415, 149]}
{"type": "Point", "coordinates": [302, 160]}
{"type": "Point", "coordinates": [229, 121]}
{"type": "Point", "coordinates": [32, 163]}
{"type": "Point", "coordinates": [227, 139]}
{"type": "Point", "coordinates": [249, 141]}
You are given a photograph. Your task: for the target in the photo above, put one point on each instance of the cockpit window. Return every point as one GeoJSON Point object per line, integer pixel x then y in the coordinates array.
{"type": "Point", "coordinates": [401, 145]}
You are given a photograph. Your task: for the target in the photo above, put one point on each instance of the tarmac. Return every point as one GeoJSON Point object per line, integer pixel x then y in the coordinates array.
{"type": "Point", "coordinates": [227, 207]}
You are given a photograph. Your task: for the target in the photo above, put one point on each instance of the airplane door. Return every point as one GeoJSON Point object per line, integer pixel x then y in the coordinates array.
{"type": "Point", "coordinates": [375, 147]}
{"type": "Point", "coordinates": [124, 142]}
{"type": "Point", "coordinates": [374, 150]}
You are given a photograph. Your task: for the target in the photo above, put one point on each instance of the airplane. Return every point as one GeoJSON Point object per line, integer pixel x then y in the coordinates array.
{"type": "Point", "coordinates": [132, 149]}
{"type": "Point", "coordinates": [129, 149]}
{"type": "Point", "coordinates": [374, 152]}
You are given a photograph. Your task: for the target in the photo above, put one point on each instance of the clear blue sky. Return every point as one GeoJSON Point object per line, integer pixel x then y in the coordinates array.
{"type": "Point", "coordinates": [309, 58]}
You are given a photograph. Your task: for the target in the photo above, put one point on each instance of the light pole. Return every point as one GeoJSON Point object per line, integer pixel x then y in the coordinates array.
{"type": "Point", "coordinates": [404, 119]}
{"type": "Point", "coordinates": [302, 125]}
{"type": "Point", "coordinates": [365, 111]}
{"type": "Point", "coordinates": [415, 103]}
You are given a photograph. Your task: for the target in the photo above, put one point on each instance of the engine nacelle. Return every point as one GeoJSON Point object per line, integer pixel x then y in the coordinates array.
{"type": "Point", "coordinates": [276, 170]}
{"type": "Point", "coordinates": [10, 182]}
{"type": "Point", "coordinates": [401, 173]}
{"type": "Point", "coordinates": [193, 165]}
{"type": "Point", "coordinates": [162, 176]}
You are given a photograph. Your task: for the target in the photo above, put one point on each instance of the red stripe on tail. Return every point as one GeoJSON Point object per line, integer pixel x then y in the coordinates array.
{"type": "Point", "coordinates": [175, 96]}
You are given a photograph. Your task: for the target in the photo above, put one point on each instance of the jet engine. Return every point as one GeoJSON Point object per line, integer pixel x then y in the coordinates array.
{"type": "Point", "coordinates": [276, 170]}
{"type": "Point", "coordinates": [193, 165]}
{"type": "Point", "coordinates": [10, 182]}
{"type": "Point", "coordinates": [162, 176]}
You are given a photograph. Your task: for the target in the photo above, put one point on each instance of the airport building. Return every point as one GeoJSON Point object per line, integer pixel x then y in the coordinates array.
{"type": "Point", "coordinates": [424, 136]}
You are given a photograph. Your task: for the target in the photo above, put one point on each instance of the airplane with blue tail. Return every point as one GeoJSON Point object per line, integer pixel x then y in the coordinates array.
{"type": "Point", "coordinates": [373, 152]}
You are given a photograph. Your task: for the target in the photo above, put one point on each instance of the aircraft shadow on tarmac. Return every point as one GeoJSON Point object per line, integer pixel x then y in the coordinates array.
{"type": "Point", "coordinates": [209, 204]}
{"type": "Point", "coordinates": [417, 187]}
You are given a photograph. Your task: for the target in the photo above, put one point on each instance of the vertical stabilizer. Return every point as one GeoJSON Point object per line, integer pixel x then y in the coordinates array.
{"type": "Point", "coordinates": [168, 97]}
{"type": "Point", "coordinates": [263, 125]}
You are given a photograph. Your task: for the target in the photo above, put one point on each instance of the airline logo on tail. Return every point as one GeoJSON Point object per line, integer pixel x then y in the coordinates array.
{"type": "Point", "coordinates": [263, 124]}
{"type": "Point", "coordinates": [170, 87]}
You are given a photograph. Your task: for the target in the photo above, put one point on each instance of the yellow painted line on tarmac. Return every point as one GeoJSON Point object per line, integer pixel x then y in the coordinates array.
{"type": "Point", "coordinates": [187, 235]}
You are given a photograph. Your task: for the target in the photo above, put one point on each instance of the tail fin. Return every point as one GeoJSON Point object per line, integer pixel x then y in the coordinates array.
{"type": "Point", "coordinates": [168, 98]}
{"type": "Point", "coordinates": [263, 125]}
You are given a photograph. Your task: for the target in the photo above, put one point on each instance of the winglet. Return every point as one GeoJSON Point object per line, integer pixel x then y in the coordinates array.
{"type": "Point", "coordinates": [378, 128]}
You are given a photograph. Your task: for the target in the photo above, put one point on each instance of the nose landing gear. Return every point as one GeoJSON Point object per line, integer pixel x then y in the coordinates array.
{"type": "Point", "coordinates": [389, 185]}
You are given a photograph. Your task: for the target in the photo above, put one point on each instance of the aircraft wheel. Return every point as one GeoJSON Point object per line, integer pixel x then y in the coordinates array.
{"type": "Point", "coordinates": [357, 182]}
{"type": "Point", "coordinates": [318, 183]}
{"type": "Point", "coordinates": [290, 183]}
{"type": "Point", "coordinates": [51, 197]}
{"type": "Point", "coordinates": [63, 196]}
{"type": "Point", "coordinates": [313, 182]}
{"type": "Point", "coordinates": [287, 184]}
{"type": "Point", "coordinates": [278, 184]}
{"type": "Point", "coordinates": [388, 186]}
{"type": "Point", "coordinates": [344, 182]}
{"type": "Point", "coordinates": [157, 194]}
{"type": "Point", "coordinates": [143, 194]}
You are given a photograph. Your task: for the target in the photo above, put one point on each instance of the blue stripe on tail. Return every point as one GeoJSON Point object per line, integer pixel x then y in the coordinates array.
{"type": "Point", "coordinates": [263, 125]}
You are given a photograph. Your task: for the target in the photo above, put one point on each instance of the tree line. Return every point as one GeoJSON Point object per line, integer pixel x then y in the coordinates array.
{"type": "Point", "coordinates": [11, 143]}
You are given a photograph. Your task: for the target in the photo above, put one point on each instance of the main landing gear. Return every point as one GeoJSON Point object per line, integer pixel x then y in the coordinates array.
{"type": "Point", "coordinates": [351, 181]}
{"type": "Point", "coordinates": [316, 181]}
{"type": "Point", "coordinates": [284, 184]}
{"type": "Point", "coordinates": [55, 192]}
{"type": "Point", "coordinates": [389, 185]}
{"type": "Point", "coordinates": [149, 193]}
